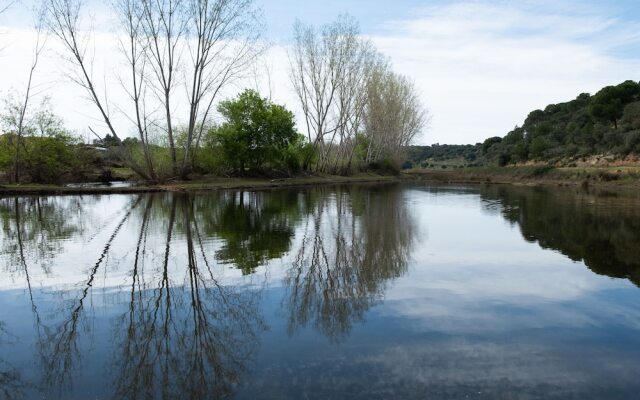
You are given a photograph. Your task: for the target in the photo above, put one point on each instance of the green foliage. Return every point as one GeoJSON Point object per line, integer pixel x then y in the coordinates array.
{"type": "Point", "coordinates": [108, 141]}
{"type": "Point", "coordinates": [386, 166]}
{"type": "Point", "coordinates": [257, 135]}
{"type": "Point", "coordinates": [422, 156]}
{"type": "Point", "coordinates": [608, 104]}
{"type": "Point", "coordinates": [487, 144]}
{"type": "Point", "coordinates": [606, 123]}
{"type": "Point", "coordinates": [44, 159]}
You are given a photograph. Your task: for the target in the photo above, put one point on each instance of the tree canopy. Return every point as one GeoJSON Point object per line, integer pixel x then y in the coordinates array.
{"type": "Point", "coordinates": [257, 134]}
{"type": "Point", "coordinates": [605, 123]}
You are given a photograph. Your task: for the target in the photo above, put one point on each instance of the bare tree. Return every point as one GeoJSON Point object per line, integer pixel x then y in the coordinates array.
{"type": "Point", "coordinates": [63, 19]}
{"type": "Point", "coordinates": [316, 71]}
{"type": "Point", "coordinates": [4, 5]}
{"type": "Point", "coordinates": [394, 115]}
{"type": "Point", "coordinates": [202, 44]}
{"type": "Point", "coordinates": [37, 51]}
{"type": "Point", "coordinates": [330, 70]}
{"type": "Point", "coordinates": [226, 33]}
{"type": "Point", "coordinates": [130, 14]}
{"type": "Point", "coordinates": [15, 117]}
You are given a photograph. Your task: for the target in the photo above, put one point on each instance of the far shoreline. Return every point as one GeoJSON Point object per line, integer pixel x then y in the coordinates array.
{"type": "Point", "coordinates": [595, 178]}
{"type": "Point", "coordinates": [206, 184]}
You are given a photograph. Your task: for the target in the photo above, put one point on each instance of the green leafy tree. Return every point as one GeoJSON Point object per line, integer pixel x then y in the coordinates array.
{"type": "Point", "coordinates": [257, 134]}
{"type": "Point", "coordinates": [608, 104]}
{"type": "Point", "coordinates": [487, 144]}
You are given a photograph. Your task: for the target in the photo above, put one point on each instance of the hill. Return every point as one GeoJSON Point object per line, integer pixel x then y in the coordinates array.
{"type": "Point", "coordinates": [606, 124]}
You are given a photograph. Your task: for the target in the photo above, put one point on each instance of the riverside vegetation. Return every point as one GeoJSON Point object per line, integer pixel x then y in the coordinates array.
{"type": "Point", "coordinates": [592, 139]}
{"type": "Point", "coordinates": [358, 113]}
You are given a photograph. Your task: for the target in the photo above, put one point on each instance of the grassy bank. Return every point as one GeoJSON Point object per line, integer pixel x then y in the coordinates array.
{"type": "Point", "coordinates": [207, 183]}
{"type": "Point", "coordinates": [602, 177]}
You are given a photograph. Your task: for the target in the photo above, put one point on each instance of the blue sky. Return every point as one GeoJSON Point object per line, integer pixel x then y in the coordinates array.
{"type": "Point", "coordinates": [481, 66]}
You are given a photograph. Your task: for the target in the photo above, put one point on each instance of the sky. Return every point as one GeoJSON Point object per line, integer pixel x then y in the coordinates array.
{"type": "Point", "coordinates": [480, 66]}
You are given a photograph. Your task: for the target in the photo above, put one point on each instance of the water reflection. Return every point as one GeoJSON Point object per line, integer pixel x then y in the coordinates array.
{"type": "Point", "coordinates": [11, 384]}
{"type": "Point", "coordinates": [141, 286]}
{"type": "Point", "coordinates": [41, 224]}
{"type": "Point", "coordinates": [313, 292]}
{"type": "Point", "coordinates": [601, 231]}
{"type": "Point", "coordinates": [352, 245]}
{"type": "Point", "coordinates": [255, 227]}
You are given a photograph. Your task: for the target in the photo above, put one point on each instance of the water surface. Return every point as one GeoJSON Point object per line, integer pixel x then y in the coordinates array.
{"type": "Point", "coordinates": [392, 291]}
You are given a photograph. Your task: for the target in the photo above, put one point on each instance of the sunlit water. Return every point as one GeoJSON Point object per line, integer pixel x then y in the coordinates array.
{"type": "Point", "coordinates": [334, 292]}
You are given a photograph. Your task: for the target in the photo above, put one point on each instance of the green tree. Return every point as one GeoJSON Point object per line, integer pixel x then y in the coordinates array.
{"type": "Point", "coordinates": [608, 104]}
{"type": "Point", "coordinates": [489, 143]}
{"type": "Point", "coordinates": [257, 134]}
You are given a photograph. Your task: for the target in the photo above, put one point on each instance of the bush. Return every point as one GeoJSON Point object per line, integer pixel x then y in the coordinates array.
{"type": "Point", "coordinates": [386, 166]}
{"type": "Point", "coordinates": [44, 159]}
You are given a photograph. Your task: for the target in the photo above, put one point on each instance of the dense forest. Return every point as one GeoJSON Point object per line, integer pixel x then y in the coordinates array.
{"type": "Point", "coordinates": [606, 124]}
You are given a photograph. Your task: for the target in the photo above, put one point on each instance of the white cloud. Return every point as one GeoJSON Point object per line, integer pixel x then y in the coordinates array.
{"type": "Point", "coordinates": [482, 68]}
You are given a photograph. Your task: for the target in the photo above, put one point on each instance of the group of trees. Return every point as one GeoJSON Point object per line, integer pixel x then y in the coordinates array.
{"type": "Point", "coordinates": [199, 45]}
{"type": "Point", "coordinates": [37, 146]}
{"type": "Point", "coordinates": [356, 109]}
{"type": "Point", "coordinates": [605, 123]}
{"type": "Point", "coordinates": [178, 56]}
{"type": "Point", "coordinates": [443, 154]}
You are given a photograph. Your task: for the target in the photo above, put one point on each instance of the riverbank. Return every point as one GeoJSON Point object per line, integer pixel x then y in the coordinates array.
{"type": "Point", "coordinates": [200, 185]}
{"type": "Point", "coordinates": [614, 178]}
{"type": "Point", "coordinates": [610, 178]}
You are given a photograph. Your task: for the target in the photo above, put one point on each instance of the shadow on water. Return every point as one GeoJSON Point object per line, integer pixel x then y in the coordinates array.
{"type": "Point", "coordinates": [601, 231]}
{"type": "Point", "coordinates": [178, 323]}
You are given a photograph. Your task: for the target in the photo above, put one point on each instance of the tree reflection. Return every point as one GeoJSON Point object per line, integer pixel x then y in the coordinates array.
{"type": "Point", "coordinates": [603, 232]}
{"type": "Point", "coordinates": [255, 227]}
{"type": "Point", "coordinates": [183, 335]}
{"type": "Point", "coordinates": [59, 349]}
{"type": "Point", "coordinates": [353, 243]}
{"type": "Point", "coordinates": [11, 383]}
{"type": "Point", "coordinates": [179, 331]}
{"type": "Point", "coordinates": [184, 342]}
{"type": "Point", "coordinates": [41, 224]}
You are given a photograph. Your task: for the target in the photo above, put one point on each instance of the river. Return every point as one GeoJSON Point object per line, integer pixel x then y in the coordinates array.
{"type": "Point", "coordinates": [360, 291]}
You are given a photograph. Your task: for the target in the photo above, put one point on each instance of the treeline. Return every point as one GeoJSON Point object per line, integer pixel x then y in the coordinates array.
{"type": "Point", "coordinates": [179, 56]}
{"type": "Point", "coordinates": [607, 123]}
{"type": "Point", "coordinates": [439, 155]}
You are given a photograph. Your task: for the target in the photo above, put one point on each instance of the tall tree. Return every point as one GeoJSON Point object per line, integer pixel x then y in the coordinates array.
{"type": "Point", "coordinates": [338, 76]}
{"type": "Point", "coordinates": [22, 108]}
{"type": "Point", "coordinates": [394, 115]}
{"type": "Point", "coordinates": [203, 44]}
{"type": "Point", "coordinates": [329, 70]}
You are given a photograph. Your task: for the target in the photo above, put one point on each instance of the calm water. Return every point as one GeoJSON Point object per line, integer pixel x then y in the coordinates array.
{"type": "Point", "coordinates": [359, 292]}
